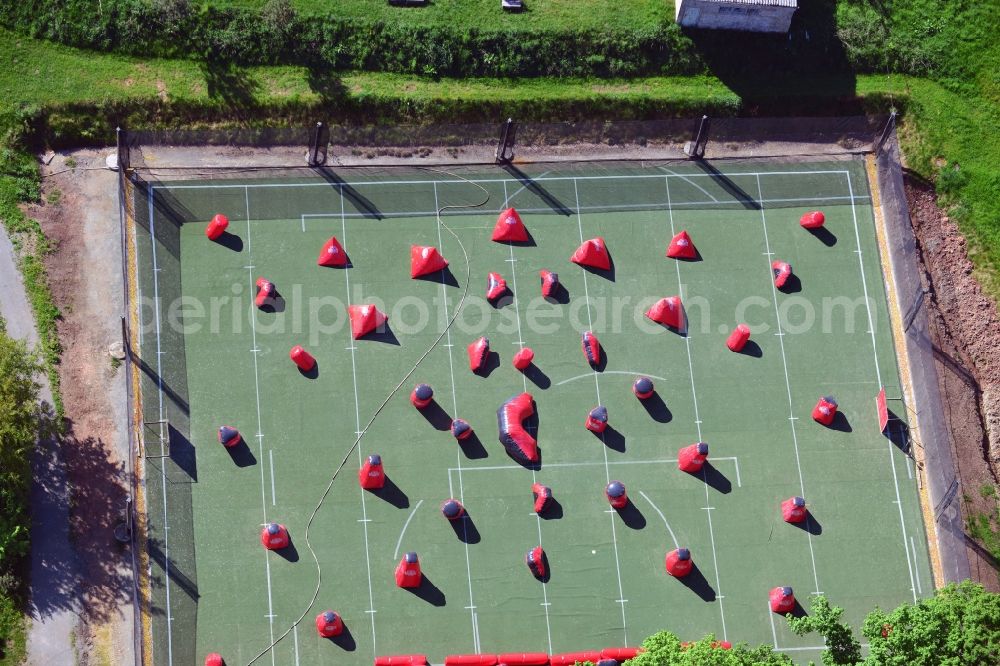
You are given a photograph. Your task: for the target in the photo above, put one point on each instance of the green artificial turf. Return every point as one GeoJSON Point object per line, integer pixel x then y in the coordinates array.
{"type": "Point", "coordinates": [607, 585]}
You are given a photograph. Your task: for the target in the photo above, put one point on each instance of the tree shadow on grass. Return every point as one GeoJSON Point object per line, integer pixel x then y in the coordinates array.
{"type": "Point", "coordinates": [230, 83]}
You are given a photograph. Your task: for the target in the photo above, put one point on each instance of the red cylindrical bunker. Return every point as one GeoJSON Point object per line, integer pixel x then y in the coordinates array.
{"type": "Point", "coordinates": [214, 659]}
{"type": "Point", "coordinates": [523, 358]}
{"type": "Point", "coordinates": [274, 536]}
{"type": "Point", "coordinates": [782, 600]}
{"type": "Point", "coordinates": [536, 560]}
{"type": "Point", "coordinates": [408, 572]}
{"type": "Point", "coordinates": [825, 410]}
{"type": "Point", "coordinates": [217, 226]}
{"type": "Point", "coordinates": [460, 429]}
{"type": "Point", "coordinates": [597, 419]}
{"type": "Point", "coordinates": [737, 340]}
{"type": "Point", "coordinates": [229, 436]}
{"type": "Point", "coordinates": [302, 358]}
{"type": "Point", "coordinates": [452, 509]}
{"type": "Point", "coordinates": [615, 492]}
{"type": "Point", "coordinates": [643, 388]}
{"type": "Point", "coordinates": [371, 476]}
{"type": "Point", "coordinates": [679, 563]}
{"type": "Point", "coordinates": [421, 396]}
{"type": "Point", "coordinates": [265, 290]}
{"type": "Point", "coordinates": [329, 624]}
{"type": "Point", "coordinates": [691, 458]}
{"type": "Point", "coordinates": [813, 219]}
{"type": "Point", "coordinates": [793, 510]}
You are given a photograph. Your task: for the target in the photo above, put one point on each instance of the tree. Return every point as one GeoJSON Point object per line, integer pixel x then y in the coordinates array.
{"type": "Point", "coordinates": [824, 619]}
{"type": "Point", "coordinates": [665, 649]}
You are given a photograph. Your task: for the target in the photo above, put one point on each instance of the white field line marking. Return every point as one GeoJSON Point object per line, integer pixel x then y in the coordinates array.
{"type": "Point", "coordinates": [399, 541]}
{"type": "Point", "coordinates": [774, 631]}
{"type": "Point", "coordinates": [524, 382]}
{"type": "Point", "coordinates": [788, 383]}
{"type": "Point", "coordinates": [357, 427]}
{"type": "Point", "coordinates": [662, 517]}
{"type": "Point", "coordinates": [697, 421]}
{"type": "Point", "coordinates": [260, 440]}
{"type": "Point", "coordinates": [295, 639]}
{"type": "Point", "coordinates": [597, 387]}
{"type": "Point", "coordinates": [913, 547]}
{"type": "Point", "coordinates": [270, 457]}
{"type": "Point", "coordinates": [878, 375]}
{"type": "Point", "coordinates": [454, 413]}
{"type": "Point", "coordinates": [163, 468]}
{"type": "Point", "coordinates": [303, 218]}
{"type": "Point", "coordinates": [611, 372]}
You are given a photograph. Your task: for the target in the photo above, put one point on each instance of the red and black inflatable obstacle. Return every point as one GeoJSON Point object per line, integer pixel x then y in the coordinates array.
{"type": "Point", "coordinates": [690, 459]}
{"type": "Point", "coordinates": [523, 358]}
{"type": "Point", "coordinates": [615, 492]}
{"type": "Point", "coordinates": [510, 422]}
{"type": "Point", "coordinates": [591, 347]}
{"type": "Point", "coordinates": [302, 358]}
{"type": "Point", "coordinates": [813, 219]}
{"type": "Point", "coordinates": [679, 562]}
{"type": "Point", "coordinates": [425, 259]}
{"type": "Point", "coordinates": [215, 229]}
{"type": "Point", "coordinates": [536, 561]}
{"type": "Point", "coordinates": [642, 387]}
{"type": "Point", "coordinates": [329, 624]}
{"type": "Point", "coordinates": [496, 287]}
{"type": "Point", "coordinates": [229, 436]}
{"type": "Point", "coordinates": [782, 271]}
{"type": "Point", "coordinates": [274, 536]}
{"type": "Point", "coordinates": [460, 429]}
{"type": "Point", "coordinates": [825, 410]}
{"type": "Point", "coordinates": [737, 340]}
{"type": "Point", "coordinates": [421, 396]}
{"type": "Point", "coordinates": [620, 654]}
{"type": "Point", "coordinates": [332, 254]}
{"type": "Point", "coordinates": [597, 419]}
{"type": "Point", "coordinates": [523, 659]}
{"type": "Point", "coordinates": [592, 253]}
{"type": "Point", "coordinates": [265, 290]}
{"type": "Point", "coordinates": [782, 600]}
{"type": "Point", "coordinates": [371, 476]}
{"type": "Point", "coordinates": [509, 228]}
{"type": "Point", "coordinates": [542, 495]}
{"type": "Point", "coordinates": [793, 510]}
{"type": "Point", "coordinates": [478, 350]}
{"type": "Point", "coordinates": [408, 571]}
{"type": "Point", "coordinates": [550, 283]}
{"type": "Point", "coordinates": [452, 509]}
{"type": "Point", "coordinates": [401, 660]}
{"type": "Point", "coordinates": [214, 659]}
{"type": "Point", "coordinates": [668, 311]}
{"type": "Point", "coordinates": [681, 247]}
{"type": "Point", "coordinates": [470, 660]}
{"type": "Point", "coordinates": [365, 319]}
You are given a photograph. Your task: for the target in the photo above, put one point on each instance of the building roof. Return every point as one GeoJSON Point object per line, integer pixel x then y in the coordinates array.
{"type": "Point", "coordinates": [767, 3]}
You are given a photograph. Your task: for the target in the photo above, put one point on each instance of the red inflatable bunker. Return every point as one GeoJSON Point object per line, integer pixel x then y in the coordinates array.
{"type": "Point", "coordinates": [550, 283]}
{"type": "Point", "coordinates": [214, 659]}
{"type": "Point", "coordinates": [229, 436]}
{"type": "Point", "coordinates": [570, 658]}
{"type": "Point", "coordinates": [681, 247]}
{"type": "Point", "coordinates": [825, 410]}
{"type": "Point", "coordinates": [523, 358]}
{"type": "Point", "coordinates": [597, 419]}
{"type": "Point", "coordinates": [510, 422]}
{"type": "Point", "coordinates": [737, 340]}
{"type": "Point", "coordinates": [421, 396]}
{"type": "Point", "coordinates": [542, 495]}
{"type": "Point", "coordinates": [668, 311]}
{"type": "Point", "coordinates": [401, 660]}
{"type": "Point", "coordinates": [265, 290]}
{"type": "Point", "coordinates": [470, 659]}
{"type": "Point", "coordinates": [813, 219]}
{"type": "Point", "coordinates": [365, 319]}
{"type": "Point", "coordinates": [782, 600]}
{"type": "Point", "coordinates": [690, 459]}
{"type": "Point", "coordinates": [332, 254]}
{"type": "Point", "coordinates": [496, 286]}
{"type": "Point", "coordinates": [452, 509]}
{"type": "Point", "coordinates": [793, 510]}
{"type": "Point", "coordinates": [329, 624]}
{"type": "Point", "coordinates": [302, 358]}
{"type": "Point", "coordinates": [620, 654]}
{"type": "Point", "coordinates": [523, 658]}
{"type": "Point", "coordinates": [591, 347]}
{"type": "Point", "coordinates": [617, 497]}
{"type": "Point", "coordinates": [408, 571]}
{"type": "Point", "coordinates": [536, 561]}
{"type": "Point", "coordinates": [642, 387]}
{"type": "Point", "coordinates": [460, 429]}
{"type": "Point", "coordinates": [782, 271]}
{"type": "Point", "coordinates": [479, 351]}
{"type": "Point", "coordinates": [371, 476]}
{"type": "Point", "coordinates": [679, 562]}
{"type": "Point", "coordinates": [425, 259]}
{"type": "Point", "coordinates": [214, 230]}
{"type": "Point", "coordinates": [509, 228]}
{"type": "Point", "coordinates": [592, 253]}
{"type": "Point", "coordinates": [274, 536]}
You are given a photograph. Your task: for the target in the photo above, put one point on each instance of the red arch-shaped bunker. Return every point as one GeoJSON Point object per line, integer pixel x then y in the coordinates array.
{"type": "Point", "coordinates": [510, 421]}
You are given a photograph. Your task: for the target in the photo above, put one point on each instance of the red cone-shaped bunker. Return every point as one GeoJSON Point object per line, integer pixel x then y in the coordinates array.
{"type": "Point", "coordinates": [782, 270]}
{"type": "Point", "coordinates": [782, 600]}
{"type": "Point", "coordinates": [332, 253]}
{"type": "Point", "coordinates": [478, 350]}
{"type": "Point", "coordinates": [793, 510]}
{"type": "Point", "coordinates": [615, 492]}
{"type": "Point", "coordinates": [371, 476]}
{"type": "Point", "coordinates": [825, 410]}
{"type": "Point", "coordinates": [523, 358]}
{"type": "Point", "coordinates": [550, 283]}
{"type": "Point", "coordinates": [597, 419]}
{"type": "Point", "coordinates": [215, 229]}
{"type": "Point", "coordinates": [813, 219]}
{"type": "Point", "coordinates": [302, 358]}
{"type": "Point", "coordinates": [642, 387]}
{"type": "Point", "coordinates": [452, 509]}
{"type": "Point", "coordinates": [421, 395]}
{"type": "Point", "coordinates": [668, 311]}
{"type": "Point", "coordinates": [679, 562]}
{"type": "Point", "coordinates": [691, 458]}
{"type": "Point", "coordinates": [593, 253]}
{"type": "Point", "coordinates": [509, 227]}
{"type": "Point", "coordinates": [425, 259]}
{"type": "Point", "coordinates": [274, 536]}
{"type": "Point", "coordinates": [265, 291]}
{"type": "Point", "coordinates": [542, 495]}
{"type": "Point", "coordinates": [214, 659]}
{"type": "Point", "coordinates": [365, 319]}
{"type": "Point", "coordinates": [591, 347]}
{"type": "Point", "coordinates": [737, 340]}
{"type": "Point", "coordinates": [535, 559]}
{"type": "Point", "coordinates": [496, 286]}
{"type": "Point", "coordinates": [229, 436]}
{"type": "Point", "coordinates": [681, 247]}
{"type": "Point", "coordinates": [408, 571]}
{"type": "Point", "coordinates": [460, 429]}
{"type": "Point", "coordinates": [329, 624]}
